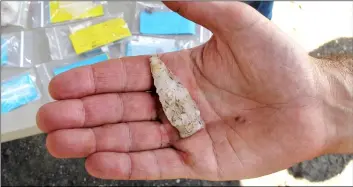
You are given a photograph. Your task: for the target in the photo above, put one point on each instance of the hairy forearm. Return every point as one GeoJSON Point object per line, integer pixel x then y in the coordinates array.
{"type": "Point", "coordinates": [335, 82]}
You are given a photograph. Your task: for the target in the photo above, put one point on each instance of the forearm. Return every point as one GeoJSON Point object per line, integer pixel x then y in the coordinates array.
{"type": "Point", "coordinates": [336, 90]}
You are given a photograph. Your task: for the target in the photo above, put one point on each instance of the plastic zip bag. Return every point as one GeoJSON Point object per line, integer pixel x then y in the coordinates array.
{"type": "Point", "coordinates": [18, 91]}
{"type": "Point", "coordinates": [86, 62]}
{"type": "Point", "coordinates": [47, 71]}
{"type": "Point", "coordinates": [47, 13]}
{"type": "Point", "coordinates": [146, 45]}
{"type": "Point", "coordinates": [156, 19]}
{"type": "Point", "coordinates": [66, 41]}
{"type": "Point", "coordinates": [15, 13]}
{"type": "Point", "coordinates": [17, 49]}
{"type": "Point", "coordinates": [149, 45]}
{"type": "Point", "coordinates": [21, 97]}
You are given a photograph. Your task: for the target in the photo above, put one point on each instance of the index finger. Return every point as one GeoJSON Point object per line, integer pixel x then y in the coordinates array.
{"type": "Point", "coordinates": [128, 74]}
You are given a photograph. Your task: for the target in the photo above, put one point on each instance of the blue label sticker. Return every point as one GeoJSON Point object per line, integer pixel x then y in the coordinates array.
{"type": "Point", "coordinates": [17, 92]}
{"type": "Point", "coordinates": [134, 48]}
{"type": "Point", "coordinates": [4, 52]}
{"type": "Point", "coordinates": [89, 61]}
{"type": "Point", "coordinates": [165, 23]}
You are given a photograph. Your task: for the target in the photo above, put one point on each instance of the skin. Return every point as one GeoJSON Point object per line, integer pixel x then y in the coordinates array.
{"type": "Point", "coordinates": [267, 105]}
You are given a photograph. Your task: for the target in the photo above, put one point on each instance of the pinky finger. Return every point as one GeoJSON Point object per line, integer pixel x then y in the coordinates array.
{"type": "Point", "coordinates": [158, 164]}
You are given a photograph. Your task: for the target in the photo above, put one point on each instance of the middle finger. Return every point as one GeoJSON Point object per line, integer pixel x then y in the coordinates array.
{"type": "Point", "coordinates": [97, 110]}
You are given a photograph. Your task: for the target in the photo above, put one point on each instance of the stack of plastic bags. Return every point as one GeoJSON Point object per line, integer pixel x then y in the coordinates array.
{"type": "Point", "coordinates": [79, 33]}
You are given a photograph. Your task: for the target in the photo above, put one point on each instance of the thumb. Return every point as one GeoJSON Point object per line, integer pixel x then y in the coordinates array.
{"type": "Point", "coordinates": [216, 16]}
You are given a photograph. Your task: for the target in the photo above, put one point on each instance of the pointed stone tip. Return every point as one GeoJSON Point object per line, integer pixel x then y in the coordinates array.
{"type": "Point", "coordinates": [154, 59]}
{"type": "Point", "coordinates": [156, 64]}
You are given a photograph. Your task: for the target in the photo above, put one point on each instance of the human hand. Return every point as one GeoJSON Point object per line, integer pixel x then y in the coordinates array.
{"type": "Point", "coordinates": [255, 88]}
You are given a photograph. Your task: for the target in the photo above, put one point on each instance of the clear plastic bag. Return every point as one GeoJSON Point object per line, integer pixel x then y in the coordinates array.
{"type": "Point", "coordinates": [146, 45]}
{"type": "Point", "coordinates": [156, 19]}
{"type": "Point", "coordinates": [17, 49]}
{"type": "Point", "coordinates": [83, 38]}
{"type": "Point", "coordinates": [47, 71]}
{"type": "Point", "coordinates": [15, 13]}
{"type": "Point", "coordinates": [18, 91]}
{"type": "Point", "coordinates": [207, 34]}
{"type": "Point", "coordinates": [47, 13]}
{"type": "Point", "coordinates": [21, 98]}
{"type": "Point", "coordinates": [125, 7]}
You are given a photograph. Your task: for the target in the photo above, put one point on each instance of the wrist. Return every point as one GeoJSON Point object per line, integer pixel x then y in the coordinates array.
{"type": "Point", "coordinates": [335, 85]}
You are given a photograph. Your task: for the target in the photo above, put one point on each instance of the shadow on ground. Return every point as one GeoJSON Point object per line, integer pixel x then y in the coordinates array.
{"type": "Point", "coordinates": [26, 161]}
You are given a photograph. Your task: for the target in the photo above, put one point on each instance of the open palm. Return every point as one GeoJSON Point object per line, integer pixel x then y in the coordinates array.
{"type": "Point", "coordinates": [255, 90]}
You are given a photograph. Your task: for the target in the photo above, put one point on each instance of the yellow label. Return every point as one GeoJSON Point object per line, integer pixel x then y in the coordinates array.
{"type": "Point", "coordinates": [69, 10]}
{"type": "Point", "coordinates": [99, 35]}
